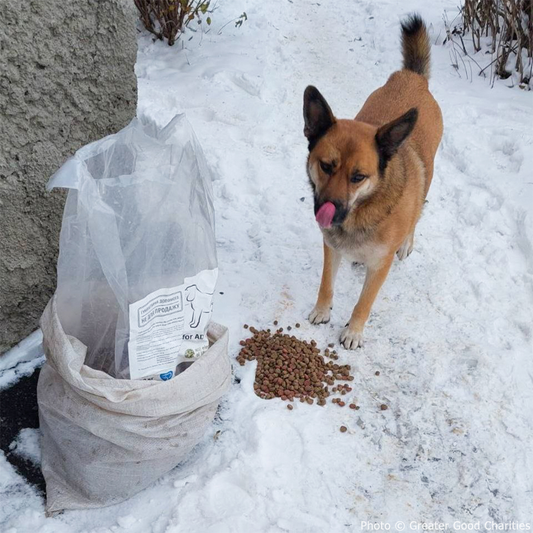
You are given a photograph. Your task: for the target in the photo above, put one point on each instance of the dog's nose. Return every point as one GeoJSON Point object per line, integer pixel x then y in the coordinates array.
{"type": "Point", "coordinates": [340, 215]}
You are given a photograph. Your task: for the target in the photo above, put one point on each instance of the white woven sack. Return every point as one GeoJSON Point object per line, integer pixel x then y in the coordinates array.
{"type": "Point", "coordinates": [105, 439]}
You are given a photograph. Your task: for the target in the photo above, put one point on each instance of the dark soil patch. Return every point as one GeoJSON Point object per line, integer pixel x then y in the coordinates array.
{"type": "Point", "coordinates": [18, 410]}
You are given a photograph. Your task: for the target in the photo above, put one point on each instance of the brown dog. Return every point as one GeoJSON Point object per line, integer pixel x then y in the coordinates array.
{"type": "Point", "coordinates": [371, 175]}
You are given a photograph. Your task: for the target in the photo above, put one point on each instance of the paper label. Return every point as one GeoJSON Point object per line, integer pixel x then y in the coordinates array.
{"type": "Point", "coordinates": [168, 328]}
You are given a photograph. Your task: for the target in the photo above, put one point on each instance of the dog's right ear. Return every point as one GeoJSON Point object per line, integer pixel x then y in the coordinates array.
{"type": "Point", "coordinates": [317, 115]}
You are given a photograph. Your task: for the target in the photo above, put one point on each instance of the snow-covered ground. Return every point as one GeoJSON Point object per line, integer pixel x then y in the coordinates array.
{"type": "Point", "coordinates": [451, 331]}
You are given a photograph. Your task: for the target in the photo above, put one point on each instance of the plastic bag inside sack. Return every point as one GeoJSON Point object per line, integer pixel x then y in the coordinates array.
{"type": "Point", "coordinates": [137, 265]}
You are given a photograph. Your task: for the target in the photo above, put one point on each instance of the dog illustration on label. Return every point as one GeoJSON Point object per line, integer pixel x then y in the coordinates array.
{"type": "Point", "coordinates": [201, 303]}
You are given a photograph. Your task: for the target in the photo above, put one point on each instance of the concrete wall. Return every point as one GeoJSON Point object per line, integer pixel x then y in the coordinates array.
{"type": "Point", "coordinates": [66, 78]}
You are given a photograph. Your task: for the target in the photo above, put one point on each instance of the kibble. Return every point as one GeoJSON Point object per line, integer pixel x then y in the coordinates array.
{"type": "Point", "coordinates": [377, 373]}
{"type": "Point", "coordinates": [297, 325]}
{"type": "Point", "coordinates": [343, 429]}
{"type": "Point", "coordinates": [292, 369]}
{"type": "Point", "coordinates": [290, 407]}
{"type": "Point", "coordinates": [383, 407]}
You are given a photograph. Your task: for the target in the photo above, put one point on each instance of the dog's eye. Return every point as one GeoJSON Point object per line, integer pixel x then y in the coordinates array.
{"type": "Point", "coordinates": [356, 178]}
{"type": "Point", "coordinates": [326, 167]}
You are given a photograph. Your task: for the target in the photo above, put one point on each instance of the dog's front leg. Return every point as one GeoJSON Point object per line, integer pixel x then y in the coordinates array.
{"type": "Point", "coordinates": [321, 313]}
{"type": "Point", "coordinates": [352, 335]}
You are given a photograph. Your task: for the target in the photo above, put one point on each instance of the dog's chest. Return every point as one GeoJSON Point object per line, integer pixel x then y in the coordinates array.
{"type": "Point", "coordinates": [358, 247]}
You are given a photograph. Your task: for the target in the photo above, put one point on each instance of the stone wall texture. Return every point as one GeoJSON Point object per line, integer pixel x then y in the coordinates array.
{"type": "Point", "coordinates": [66, 79]}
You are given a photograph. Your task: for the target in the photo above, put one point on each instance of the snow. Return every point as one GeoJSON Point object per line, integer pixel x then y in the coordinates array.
{"type": "Point", "coordinates": [450, 332]}
{"type": "Point", "coordinates": [21, 360]}
{"type": "Point", "coordinates": [27, 445]}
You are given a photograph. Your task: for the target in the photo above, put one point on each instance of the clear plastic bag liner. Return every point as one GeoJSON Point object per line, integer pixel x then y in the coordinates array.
{"type": "Point", "coordinates": [138, 217]}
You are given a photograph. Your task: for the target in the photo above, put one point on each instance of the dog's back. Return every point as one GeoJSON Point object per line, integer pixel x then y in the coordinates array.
{"type": "Point", "coordinates": [407, 89]}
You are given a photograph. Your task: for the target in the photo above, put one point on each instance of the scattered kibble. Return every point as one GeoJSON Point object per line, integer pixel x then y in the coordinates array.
{"type": "Point", "coordinates": [353, 406]}
{"type": "Point", "coordinates": [331, 345]}
{"type": "Point", "coordinates": [383, 407]}
{"type": "Point", "coordinates": [275, 322]}
{"type": "Point", "coordinates": [297, 325]}
{"type": "Point", "coordinates": [290, 407]}
{"type": "Point", "coordinates": [343, 429]}
{"type": "Point", "coordinates": [289, 328]}
{"type": "Point", "coordinates": [245, 326]}
{"type": "Point", "coordinates": [289, 368]}
{"type": "Point", "coordinates": [377, 373]}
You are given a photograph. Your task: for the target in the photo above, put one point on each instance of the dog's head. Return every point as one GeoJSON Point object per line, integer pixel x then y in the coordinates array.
{"type": "Point", "coordinates": [347, 158]}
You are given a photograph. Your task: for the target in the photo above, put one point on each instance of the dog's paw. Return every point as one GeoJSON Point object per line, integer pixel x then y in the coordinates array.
{"type": "Point", "coordinates": [320, 315]}
{"type": "Point", "coordinates": [351, 339]}
{"type": "Point", "coordinates": [406, 248]}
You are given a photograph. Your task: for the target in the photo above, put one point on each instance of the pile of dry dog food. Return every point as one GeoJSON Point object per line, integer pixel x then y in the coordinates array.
{"type": "Point", "coordinates": [290, 368]}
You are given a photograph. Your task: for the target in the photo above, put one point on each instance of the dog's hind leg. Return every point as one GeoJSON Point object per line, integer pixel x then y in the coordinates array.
{"type": "Point", "coordinates": [321, 313]}
{"type": "Point", "coordinates": [407, 246]}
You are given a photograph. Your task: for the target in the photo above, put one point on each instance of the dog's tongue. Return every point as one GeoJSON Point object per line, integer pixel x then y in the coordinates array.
{"type": "Point", "coordinates": [325, 214]}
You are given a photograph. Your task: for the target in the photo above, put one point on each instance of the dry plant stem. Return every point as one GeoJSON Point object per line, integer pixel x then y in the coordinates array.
{"type": "Point", "coordinates": [166, 19]}
{"type": "Point", "coordinates": [510, 24]}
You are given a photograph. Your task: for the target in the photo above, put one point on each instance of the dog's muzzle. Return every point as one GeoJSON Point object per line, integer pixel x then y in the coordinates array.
{"type": "Point", "coordinates": [324, 215]}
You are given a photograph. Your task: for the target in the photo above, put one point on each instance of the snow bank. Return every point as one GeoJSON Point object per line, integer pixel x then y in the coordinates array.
{"type": "Point", "coordinates": [21, 360]}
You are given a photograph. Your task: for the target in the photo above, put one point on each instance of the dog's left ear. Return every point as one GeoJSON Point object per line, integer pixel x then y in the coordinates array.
{"type": "Point", "coordinates": [318, 116]}
{"type": "Point", "coordinates": [391, 136]}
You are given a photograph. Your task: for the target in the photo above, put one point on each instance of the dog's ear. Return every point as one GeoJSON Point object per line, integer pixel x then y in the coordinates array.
{"type": "Point", "coordinates": [317, 115]}
{"type": "Point", "coordinates": [391, 136]}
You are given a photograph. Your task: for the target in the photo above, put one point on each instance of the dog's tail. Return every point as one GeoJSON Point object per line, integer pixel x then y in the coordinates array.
{"type": "Point", "coordinates": [415, 45]}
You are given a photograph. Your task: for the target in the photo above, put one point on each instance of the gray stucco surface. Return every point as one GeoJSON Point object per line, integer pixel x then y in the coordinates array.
{"type": "Point", "coordinates": [66, 79]}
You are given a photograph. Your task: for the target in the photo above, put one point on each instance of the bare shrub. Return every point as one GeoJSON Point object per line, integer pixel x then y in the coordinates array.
{"type": "Point", "coordinates": [506, 28]}
{"type": "Point", "coordinates": [166, 19]}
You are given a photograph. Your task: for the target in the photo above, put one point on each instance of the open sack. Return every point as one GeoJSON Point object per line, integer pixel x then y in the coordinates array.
{"type": "Point", "coordinates": [134, 368]}
{"type": "Point", "coordinates": [105, 439]}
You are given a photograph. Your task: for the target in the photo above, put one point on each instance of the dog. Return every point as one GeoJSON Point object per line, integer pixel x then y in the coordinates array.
{"type": "Point", "coordinates": [370, 176]}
